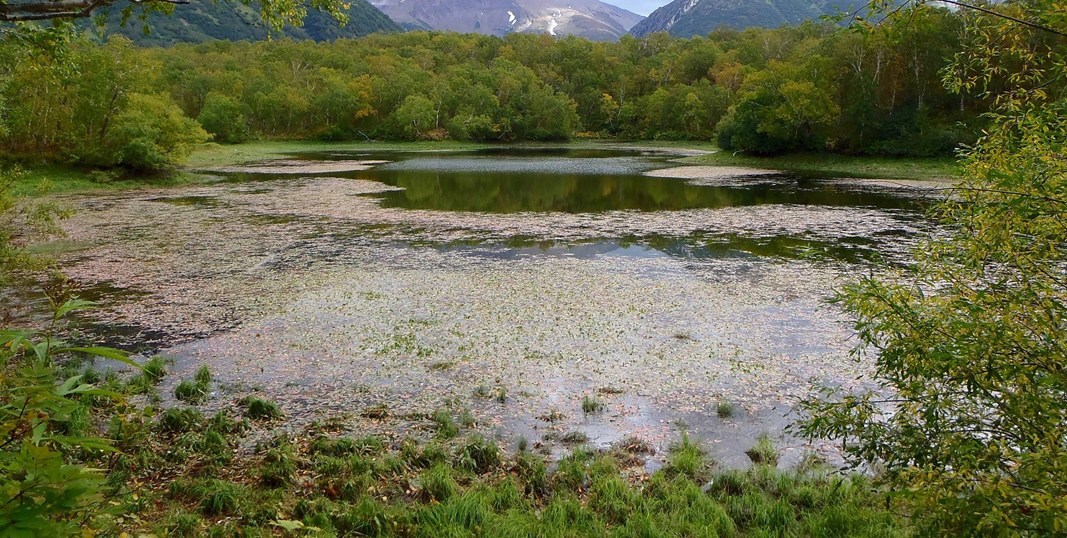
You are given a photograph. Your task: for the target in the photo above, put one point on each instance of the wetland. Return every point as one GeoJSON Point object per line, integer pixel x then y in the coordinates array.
{"type": "Point", "coordinates": [377, 287]}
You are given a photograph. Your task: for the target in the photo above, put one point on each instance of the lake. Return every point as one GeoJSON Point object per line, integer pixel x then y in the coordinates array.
{"type": "Point", "coordinates": [374, 288]}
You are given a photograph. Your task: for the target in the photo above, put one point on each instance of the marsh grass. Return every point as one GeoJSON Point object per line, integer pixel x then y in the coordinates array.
{"type": "Point", "coordinates": [190, 392]}
{"type": "Point", "coordinates": [725, 410]}
{"type": "Point", "coordinates": [444, 425]}
{"type": "Point", "coordinates": [259, 409]}
{"type": "Point", "coordinates": [763, 452]}
{"type": "Point", "coordinates": [468, 487]}
{"type": "Point", "coordinates": [592, 405]}
{"type": "Point", "coordinates": [149, 377]}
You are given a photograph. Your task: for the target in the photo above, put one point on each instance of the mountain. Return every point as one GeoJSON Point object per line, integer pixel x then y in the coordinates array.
{"type": "Point", "coordinates": [204, 20]}
{"type": "Point", "coordinates": [687, 18]}
{"type": "Point", "coordinates": [586, 18]}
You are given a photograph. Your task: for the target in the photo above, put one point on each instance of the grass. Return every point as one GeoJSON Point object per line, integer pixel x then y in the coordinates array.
{"type": "Point", "coordinates": [725, 410]}
{"type": "Point", "coordinates": [592, 405]}
{"type": "Point", "coordinates": [259, 409]}
{"type": "Point", "coordinates": [190, 392]}
{"type": "Point", "coordinates": [469, 487]}
{"type": "Point", "coordinates": [763, 452]}
{"type": "Point", "coordinates": [444, 425]}
{"type": "Point", "coordinates": [942, 169]}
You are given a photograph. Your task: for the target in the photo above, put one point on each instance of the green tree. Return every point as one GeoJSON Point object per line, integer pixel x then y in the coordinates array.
{"type": "Point", "coordinates": [415, 116]}
{"type": "Point", "coordinates": [153, 134]}
{"type": "Point", "coordinates": [222, 118]}
{"type": "Point", "coordinates": [970, 344]}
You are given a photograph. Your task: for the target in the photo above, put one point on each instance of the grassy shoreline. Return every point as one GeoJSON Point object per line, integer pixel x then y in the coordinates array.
{"type": "Point", "coordinates": [51, 178]}
{"type": "Point", "coordinates": [931, 169]}
{"type": "Point", "coordinates": [187, 478]}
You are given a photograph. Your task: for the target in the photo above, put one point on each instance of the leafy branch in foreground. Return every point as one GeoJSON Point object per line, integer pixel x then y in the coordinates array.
{"type": "Point", "coordinates": [970, 419]}
{"type": "Point", "coordinates": [276, 13]}
{"type": "Point", "coordinates": [42, 493]}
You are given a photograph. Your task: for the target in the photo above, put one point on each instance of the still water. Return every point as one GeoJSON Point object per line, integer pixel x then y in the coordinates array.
{"type": "Point", "coordinates": [425, 281]}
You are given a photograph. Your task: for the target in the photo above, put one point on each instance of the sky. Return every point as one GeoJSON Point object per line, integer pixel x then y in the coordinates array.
{"type": "Point", "coordinates": [641, 7]}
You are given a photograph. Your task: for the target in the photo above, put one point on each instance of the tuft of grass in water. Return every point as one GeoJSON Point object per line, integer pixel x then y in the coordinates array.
{"type": "Point", "coordinates": [151, 374]}
{"type": "Point", "coordinates": [522, 443]}
{"type": "Point", "coordinates": [257, 409]}
{"type": "Point", "coordinates": [687, 459]}
{"type": "Point", "coordinates": [190, 392]}
{"type": "Point", "coordinates": [466, 419]}
{"type": "Point", "coordinates": [574, 437]}
{"type": "Point", "coordinates": [203, 376]}
{"type": "Point", "coordinates": [551, 416]}
{"type": "Point", "coordinates": [763, 452]}
{"type": "Point", "coordinates": [725, 409]}
{"type": "Point", "coordinates": [592, 404]}
{"type": "Point", "coordinates": [155, 368]}
{"type": "Point", "coordinates": [179, 420]}
{"type": "Point", "coordinates": [480, 455]}
{"type": "Point", "coordinates": [501, 395]}
{"type": "Point", "coordinates": [377, 411]}
{"type": "Point", "coordinates": [635, 445]}
{"type": "Point", "coordinates": [444, 425]}
{"type": "Point", "coordinates": [481, 391]}
{"type": "Point", "coordinates": [441, 366]}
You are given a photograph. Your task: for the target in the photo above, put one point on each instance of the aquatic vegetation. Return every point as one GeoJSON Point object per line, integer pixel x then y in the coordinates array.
{"type": "Point", "coordinates": [258, 409]}
{"type": "Point", "coordinates": [592, 405]}
{"type": "Point", "coordinates": [190, 392]}
{"type": "Point", "coordinates": [445, 425]}
{"type": "Point", "coordinates": [763, 452]}
{"type": "Point", "coordinates": [725, 409]}
{"type": "Point", "coordinates": [180, 419]}
{"type": "Point", "coordinates": [423, 300]}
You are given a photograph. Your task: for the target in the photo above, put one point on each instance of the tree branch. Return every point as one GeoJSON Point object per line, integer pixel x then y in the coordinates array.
{"type": "Point", "coordinates": [60, 9]}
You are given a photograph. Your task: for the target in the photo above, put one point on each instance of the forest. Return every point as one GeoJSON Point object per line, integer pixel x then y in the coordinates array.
{"type": "Point", "coordinates": [814, 87]}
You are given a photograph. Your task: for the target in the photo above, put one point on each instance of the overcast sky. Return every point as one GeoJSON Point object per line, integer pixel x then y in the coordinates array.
{"type": "Point", "coordinates": [641, 7]}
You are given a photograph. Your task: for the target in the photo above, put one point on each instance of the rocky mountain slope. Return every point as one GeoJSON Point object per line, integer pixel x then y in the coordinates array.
{"type": "Point", "coordinates": [687, 18]}
{"type": "Point", "coordinates": [586, 18]}
{"type": "Point", "coordinates": [204, 20]}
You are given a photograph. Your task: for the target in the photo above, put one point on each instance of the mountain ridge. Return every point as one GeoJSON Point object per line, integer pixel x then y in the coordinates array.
{"type": "Point", "coordinates": [688, 18]}
{"type": "Point", "coordinates": [592, 19]}
{"type": "Point", "coordinates": [200, 21]}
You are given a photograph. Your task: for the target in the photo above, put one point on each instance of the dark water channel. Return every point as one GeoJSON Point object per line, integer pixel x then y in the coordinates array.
{"type": "Point", "coordinates": [431, 279]}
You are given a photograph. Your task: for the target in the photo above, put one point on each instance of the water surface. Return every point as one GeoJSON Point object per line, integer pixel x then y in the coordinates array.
{"type": "Point", "coordinates": [436, 277]}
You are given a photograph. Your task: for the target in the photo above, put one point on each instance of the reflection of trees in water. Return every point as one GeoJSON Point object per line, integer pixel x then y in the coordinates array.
{"type": "Point", "coordinates": [574, 193]}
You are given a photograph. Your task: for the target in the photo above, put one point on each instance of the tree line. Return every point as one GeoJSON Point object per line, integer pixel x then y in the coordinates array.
{"type": "Point", "coordinates": [812, 87]}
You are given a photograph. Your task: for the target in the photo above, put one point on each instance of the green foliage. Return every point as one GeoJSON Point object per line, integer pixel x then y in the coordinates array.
{"type": "Point", "coordinates": [43, 492]}
{"type": "Point", "coordinates": [969, 343]}
{"type": "Point", "coordinates": [764, 91]}
{"type": "Point", "coordinates": [592, 404]}
{"type": "Point", "coordinates": [763, 452]}
{"type": "Point", "coordinates": [257, 409]}
{"type": "Point", "coordinates": [190, 392]}
{"type": "Point", "coordinates": [221, 117]}
{"type": "Point", "coordinates": [180, 420]}
{"type": "Point", "coordinates": [725, 409]}
{"type": "Point", "coordinates": [151, 135]}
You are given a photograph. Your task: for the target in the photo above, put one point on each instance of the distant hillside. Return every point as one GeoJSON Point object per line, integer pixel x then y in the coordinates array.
{"type": "Point", "coordinates": [687, 18]}
{"type": "Point", "coordinates": [204, 20]}
{"type": "Point", "coordinates": [592, 19]}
